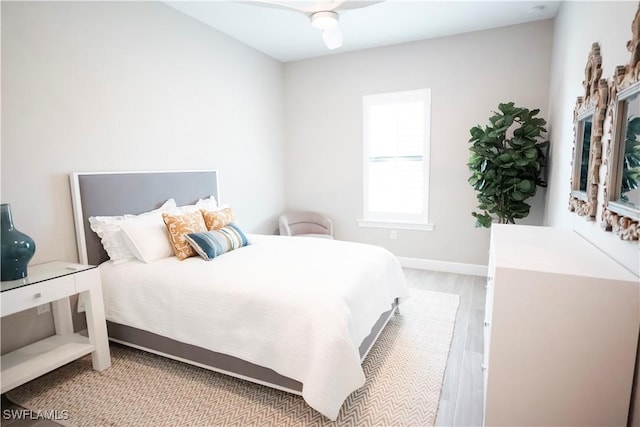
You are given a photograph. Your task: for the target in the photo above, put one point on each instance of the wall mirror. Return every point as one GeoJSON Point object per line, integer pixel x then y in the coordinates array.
{"type": "Point", "coordinates": [588, 117]}
{"type": "Point", "coordinates": [622, 193]}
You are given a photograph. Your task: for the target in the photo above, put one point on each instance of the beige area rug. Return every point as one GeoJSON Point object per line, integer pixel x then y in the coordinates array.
{"type": "Point", "coordinates": [404, 371]}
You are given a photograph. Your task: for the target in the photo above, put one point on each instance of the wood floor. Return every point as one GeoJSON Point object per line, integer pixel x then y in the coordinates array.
{"type": "Point", "coordinates": [462, 393]}
{"type": "Point", "coordinates": [461, 400]}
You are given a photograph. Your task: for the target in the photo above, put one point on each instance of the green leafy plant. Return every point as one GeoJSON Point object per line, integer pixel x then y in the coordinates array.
{"type": "Point", "coordinates": [584, 158]}
{"type": "Point", "coordinates": [506, 160]}
{"type": "Point", "coordinates": [631, 159]}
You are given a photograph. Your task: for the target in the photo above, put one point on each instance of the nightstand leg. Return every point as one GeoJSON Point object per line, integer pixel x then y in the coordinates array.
{"type": "Point", "coordinates": [96, 325]}
{"type": "Point", "coordinates": [62, 316]}
{"type": "Point", "coordinates": [97, 329]}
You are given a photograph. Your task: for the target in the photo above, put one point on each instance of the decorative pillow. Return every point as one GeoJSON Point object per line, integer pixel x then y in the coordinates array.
{"type": "Point", "coordinates": [178, 226]}
{"type": "Point", "coordinates": [147, 238]}
{"type": "Point", "coordinates": [211, 244]}
{"type": "Point", "coordinates": [218, 218]}
{"type": "Point", "coordinates": [111, 236]}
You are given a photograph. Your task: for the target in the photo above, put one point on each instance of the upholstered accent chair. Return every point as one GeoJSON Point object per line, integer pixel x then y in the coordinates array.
{"type": "Point", "coordinates": [307, 224]}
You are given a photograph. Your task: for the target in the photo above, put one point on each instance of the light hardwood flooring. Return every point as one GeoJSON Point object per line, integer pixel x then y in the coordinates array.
{"type": "Point", "coordinates": [461, 402]}
{"type": "Point", "coordinates": [461, 399]}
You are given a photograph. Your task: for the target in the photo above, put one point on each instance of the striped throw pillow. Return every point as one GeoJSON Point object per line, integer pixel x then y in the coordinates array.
{"type": "Point", "coordinates": [210, 244]}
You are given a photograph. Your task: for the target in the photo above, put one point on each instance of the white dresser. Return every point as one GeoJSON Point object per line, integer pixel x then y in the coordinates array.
{"type": "Point", "coordinates": [561, 331]}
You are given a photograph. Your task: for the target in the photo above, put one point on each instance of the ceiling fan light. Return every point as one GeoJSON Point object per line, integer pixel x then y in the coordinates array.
{"type": "Point", "coordinates": [332, 38]}
{"type": "Point", "coordinates": [324, 20]}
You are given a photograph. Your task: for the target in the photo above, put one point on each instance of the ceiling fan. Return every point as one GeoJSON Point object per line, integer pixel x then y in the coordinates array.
{"type": "Point", "coordinates": [322, 14]}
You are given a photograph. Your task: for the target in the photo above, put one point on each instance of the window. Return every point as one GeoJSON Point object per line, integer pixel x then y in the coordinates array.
{"type": "Point", "coordinates": [396, 159]}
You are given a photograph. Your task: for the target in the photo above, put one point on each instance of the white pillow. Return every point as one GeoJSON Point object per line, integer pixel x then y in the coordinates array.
{"type": "Point", "coordinates": [111, 235]}
{"type": "Point", "coordinates": [147, 238]}
{"type": "Point", "coordinates": [210, 203]}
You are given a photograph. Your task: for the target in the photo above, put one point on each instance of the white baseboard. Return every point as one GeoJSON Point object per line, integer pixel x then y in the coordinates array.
{"type": "Point", "coordinates": [446, 266]}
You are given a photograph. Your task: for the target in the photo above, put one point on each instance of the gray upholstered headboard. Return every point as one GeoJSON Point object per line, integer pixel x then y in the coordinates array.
{"type": "Point", "coordinates": [119, 193]}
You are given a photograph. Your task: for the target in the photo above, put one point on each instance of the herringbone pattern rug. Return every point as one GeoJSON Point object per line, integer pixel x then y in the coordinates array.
{"type": "Point", "coordinates": [404, 373]}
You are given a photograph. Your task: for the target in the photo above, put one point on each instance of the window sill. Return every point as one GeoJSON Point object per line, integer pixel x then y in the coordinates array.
{"type": "Point", "coordinates": [395, 225]}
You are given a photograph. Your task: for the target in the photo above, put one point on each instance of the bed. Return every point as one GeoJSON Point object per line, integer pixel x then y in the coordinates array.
{"type": "Point", "coordinates": [296, 314]}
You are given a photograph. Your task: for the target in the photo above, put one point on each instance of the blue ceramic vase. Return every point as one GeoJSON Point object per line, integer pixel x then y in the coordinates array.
{"type": "Point", "coordinates": [17, 248]}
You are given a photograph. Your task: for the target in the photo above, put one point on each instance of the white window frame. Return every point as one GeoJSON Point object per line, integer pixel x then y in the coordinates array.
{"type": "Point", "coordinates": [388, 219]}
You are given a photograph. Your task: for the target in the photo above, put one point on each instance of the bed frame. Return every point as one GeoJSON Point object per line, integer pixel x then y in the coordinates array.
{"type": "Point", "coordinates": [118, 193]}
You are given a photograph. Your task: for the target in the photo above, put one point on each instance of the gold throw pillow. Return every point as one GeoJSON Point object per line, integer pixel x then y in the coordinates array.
{"type": "Point", "coordinates": [217, 219]}
{"type": "Point", "coordinates": [178, 226]}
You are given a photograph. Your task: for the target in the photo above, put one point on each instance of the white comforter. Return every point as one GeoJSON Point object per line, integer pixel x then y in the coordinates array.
{"type": "Point", "coordinates": [300, 306]}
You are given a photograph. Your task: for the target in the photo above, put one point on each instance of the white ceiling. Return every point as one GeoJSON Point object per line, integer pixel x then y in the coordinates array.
{"type": "Point", "coordinates": [287, 35]}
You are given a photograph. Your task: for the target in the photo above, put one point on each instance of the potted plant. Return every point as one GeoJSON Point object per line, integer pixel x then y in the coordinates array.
{"type": "Point", "coordinates": [506, 160]}
{"type": "Point", "coordinates": [631, 159]}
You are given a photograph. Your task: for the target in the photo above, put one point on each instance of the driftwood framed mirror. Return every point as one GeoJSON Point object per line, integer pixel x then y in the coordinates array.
{"type": "Point", "coordinates": [588, 119]}
{"type": "Point", "coordinates": [621, 212]}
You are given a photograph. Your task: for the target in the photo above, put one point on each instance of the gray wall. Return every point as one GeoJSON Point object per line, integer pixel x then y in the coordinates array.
{"type": "Point", "coordinates": [469, 75]}
{"type": "Point", "coordinates": [100, 86]}
{"type": "Point", "coordinates": [577, 26]}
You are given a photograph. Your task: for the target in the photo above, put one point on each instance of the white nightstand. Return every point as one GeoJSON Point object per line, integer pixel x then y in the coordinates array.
{"type": "Point", "coordinates": [54, 282]}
